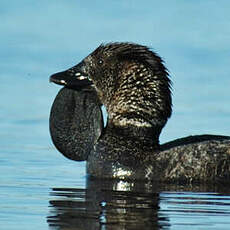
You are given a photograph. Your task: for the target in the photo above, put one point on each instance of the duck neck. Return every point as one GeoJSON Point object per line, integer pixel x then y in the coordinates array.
{"type": "Point", "coordinates": [141, 135]}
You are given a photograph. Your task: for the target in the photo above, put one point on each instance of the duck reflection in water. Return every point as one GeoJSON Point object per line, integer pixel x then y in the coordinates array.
{"type": "Point", "coordinates": [106, 204]}
{"type": "Point", "coordinates": [132, 83]}
{"type": "Point", "coordinates": [134, 205]}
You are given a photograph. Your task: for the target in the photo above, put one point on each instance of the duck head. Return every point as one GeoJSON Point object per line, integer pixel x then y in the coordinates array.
{"type": "Point", "coordinates": [130, 80]}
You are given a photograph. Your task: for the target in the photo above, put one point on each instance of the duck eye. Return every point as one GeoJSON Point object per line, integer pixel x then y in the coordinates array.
{"type": "Point", "coordinates": [100, 62]}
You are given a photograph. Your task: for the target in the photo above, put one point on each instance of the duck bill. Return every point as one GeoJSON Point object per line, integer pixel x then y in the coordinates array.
{"type": "Point", "coordinates": [75, 77]}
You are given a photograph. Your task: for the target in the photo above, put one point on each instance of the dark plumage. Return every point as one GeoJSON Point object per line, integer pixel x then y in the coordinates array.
{"type": "Point", "coordinates": [133, 84]}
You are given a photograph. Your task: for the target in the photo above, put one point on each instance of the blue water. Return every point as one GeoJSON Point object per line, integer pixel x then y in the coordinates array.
{"type": "Point", "coordinates": [39, 38]}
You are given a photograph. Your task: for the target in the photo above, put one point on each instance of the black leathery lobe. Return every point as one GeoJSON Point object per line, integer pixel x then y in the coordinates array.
{"type": "Point", "coordinates": [75, 122]}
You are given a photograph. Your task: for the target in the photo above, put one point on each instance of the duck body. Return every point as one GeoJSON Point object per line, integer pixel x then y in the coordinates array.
{"type": "Point", "coordinates": [202, 158]}
{"type": "Point", "coordinates": [133, 84]}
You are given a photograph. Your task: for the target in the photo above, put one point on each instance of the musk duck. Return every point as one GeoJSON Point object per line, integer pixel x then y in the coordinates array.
{"type": "Point", "coordinates": [133, 84]}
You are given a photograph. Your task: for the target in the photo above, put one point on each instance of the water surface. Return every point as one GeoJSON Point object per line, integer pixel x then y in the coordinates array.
{"type": "Point", "coordinates": [124, 205]}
